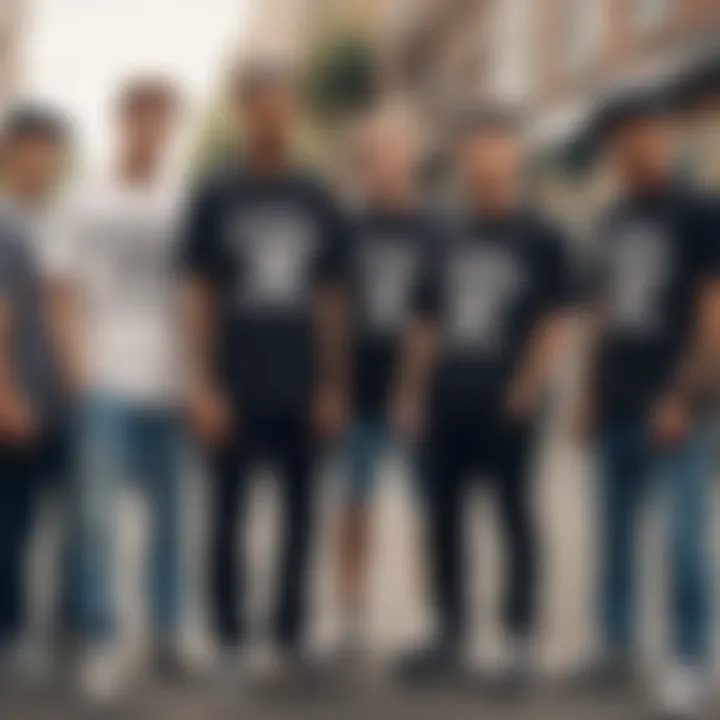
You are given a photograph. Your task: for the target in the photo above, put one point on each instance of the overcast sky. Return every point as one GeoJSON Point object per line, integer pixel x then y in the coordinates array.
{"type": "Point", "coordinates": [76, 51]}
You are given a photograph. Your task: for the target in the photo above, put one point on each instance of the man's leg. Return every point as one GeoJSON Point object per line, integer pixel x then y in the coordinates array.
{"type": "Point", "coordinates": [103, 453]}
{"type": "Point", "coordinates": [366, 444]}
{"type": "Point", "coordinates": [445, 464]}
{"type": "Point", "coordinates": [688, 473]}
{"type": "Point", "coordinates": [162, 471]}
{"type": "Point", "coordinates": [445, 460]}
{"type": "Point", "coordinates": [296, 455]}
{"type": "Point", "coordinates": [230, 476]}
{"type": "Point", "coordinates": [16, 496]}
{"type": "Point", "coordinates": [622, 478]}
{"type": "Point", "coordinates": [518, 522]}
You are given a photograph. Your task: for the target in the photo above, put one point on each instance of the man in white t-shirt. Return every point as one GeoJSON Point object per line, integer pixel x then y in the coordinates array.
{"type": "Point", "coordinates": [114, 245]}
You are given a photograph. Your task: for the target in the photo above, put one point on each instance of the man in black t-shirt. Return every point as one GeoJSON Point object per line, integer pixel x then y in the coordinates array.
{"type": "Point", "coordinates": [489, 318]}
{"type": "Point", "coordinates": [264, 254]}
{"type": "Point", "coordinates": [657, 329]}
{"type": "Point", "coordinates": [389, 235]}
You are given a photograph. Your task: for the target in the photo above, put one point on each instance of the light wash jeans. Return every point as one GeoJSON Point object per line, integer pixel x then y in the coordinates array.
{"type": "Point", "coordinates": [630, 470]}
{"type": "Point", "coordinates": [120, 441]}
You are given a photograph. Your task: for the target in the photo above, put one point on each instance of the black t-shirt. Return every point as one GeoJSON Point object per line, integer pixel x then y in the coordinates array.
{"type": "Point", "coordinates": [386, 256]}
{"type": "Point", "coordinates": [488, 284]}
{"type": "Point", "coordinates": [265, 245]}
{"type": "Point", "coordinates": [654, 253]}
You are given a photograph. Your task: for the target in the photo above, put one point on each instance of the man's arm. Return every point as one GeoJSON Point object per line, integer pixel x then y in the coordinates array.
{"type": "Point", "coordinates": [698, 365]}
{"type": "Point", "coordinates": [418, 356]}
{"type": "Point", "coordinates": [547, 341]}
{"type": "Point", "coordinates": [418, 350]}
{"type": "Point", "coordinates": [332, 325]}
{"type": "Point", "coordinates": [546, 345]}
{"type": "Point", "coordinates": [208, 409]}
{"type": "Point", "coordinates": [65, 313]}
{"type": "Point", "coordinates": [18, 422]}
{"type": "Point", "coordinates": [65, 310]}
{"type": "Point", "coordinates": [198, 319]}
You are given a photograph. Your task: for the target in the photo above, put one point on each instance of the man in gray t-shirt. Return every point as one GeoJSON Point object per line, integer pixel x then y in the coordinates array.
{"type": "Point", "coordinates": [30, 396]}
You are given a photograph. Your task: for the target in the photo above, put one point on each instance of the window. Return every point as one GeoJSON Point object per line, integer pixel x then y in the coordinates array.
{"type": "Point", "coordinates": [651, 14]}
{"type": "Point", "coordinates": [581, 23]}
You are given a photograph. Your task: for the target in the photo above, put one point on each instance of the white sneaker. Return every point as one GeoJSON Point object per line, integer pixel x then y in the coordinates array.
{"type": "Point", "coordinates": [101, 675]}
{"type": "Point", "coordinates": [683, 694]}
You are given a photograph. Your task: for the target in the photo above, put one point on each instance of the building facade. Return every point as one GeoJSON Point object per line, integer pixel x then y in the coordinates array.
{"type": "Point", "coordinates": [582, 50]}
{"type": "Point", "coordinates": [9, 48]}
{"type": "Point", "coordinates": [555, 59]}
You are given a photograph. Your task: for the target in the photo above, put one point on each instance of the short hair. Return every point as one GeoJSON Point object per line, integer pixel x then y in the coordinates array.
{"type": "Point", "coordinates": [252, 77]}
{"type": "Point", "coordinates": [143, 92]}
{"type": "Point", "coordinates": [479, 119]}
{"type": "Point", "coordinates": [34, 122]}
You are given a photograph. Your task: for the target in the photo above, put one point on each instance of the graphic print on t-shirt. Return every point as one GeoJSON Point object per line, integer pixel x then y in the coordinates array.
{"type": "Point", "coordinates": [274, 245]}
{"type": "Point", "coordinates": [388, 271]}
{"type": "Point", "coordinates": [132, 258]}
{"type": "Point", "coordinates": [640, 271]}
{"type": "Point", "coordinates": [482, 283]}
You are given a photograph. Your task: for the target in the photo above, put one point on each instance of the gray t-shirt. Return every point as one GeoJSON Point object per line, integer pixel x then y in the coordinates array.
{"type": "Point", "coordinates": [21, 286]}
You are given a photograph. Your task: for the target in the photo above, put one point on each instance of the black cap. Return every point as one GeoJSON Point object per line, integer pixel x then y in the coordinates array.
{"type": "Point", "coordinates": [27, 120]}
{"type": "Point", "coordinates": [625, 106]}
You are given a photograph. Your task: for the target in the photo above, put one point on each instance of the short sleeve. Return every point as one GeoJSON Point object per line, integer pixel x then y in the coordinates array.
{"type": "Point", "coordinates": [556, 273]}
{"type": "Point", "coordinates": [199, 252]}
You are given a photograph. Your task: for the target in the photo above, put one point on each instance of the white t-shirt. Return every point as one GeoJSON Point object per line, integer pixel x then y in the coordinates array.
{"type": "Point", "coordinates": [116, 242]}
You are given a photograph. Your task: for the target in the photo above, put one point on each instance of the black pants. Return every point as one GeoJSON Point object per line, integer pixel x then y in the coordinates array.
{"type": "Point", "coordinates": [460, 447]}
{"type": "Point", "coordinates": [23, 474]}
{"type": "Point", "coordinates": [284, 440]}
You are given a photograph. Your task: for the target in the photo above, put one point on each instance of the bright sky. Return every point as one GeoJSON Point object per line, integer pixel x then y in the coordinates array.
{"type": "Point", "coordinates": [76, 51]}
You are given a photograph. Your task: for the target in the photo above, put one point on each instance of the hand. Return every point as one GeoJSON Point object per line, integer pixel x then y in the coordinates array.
{"type": "Point", "coordinates": [329, 412]}
{"type": "Point", "coordinates": [18, 420]}
{"type": "Point", "coordinates": [584, 421]}
{"type": "Point", "coordinates": [407, 416]}
{"type": "Point", "coordinates": [669, 421]}
{"type": "Point", "coordinates": [209, 415]}
{"type": "Point", "coordinates": [523, 401]}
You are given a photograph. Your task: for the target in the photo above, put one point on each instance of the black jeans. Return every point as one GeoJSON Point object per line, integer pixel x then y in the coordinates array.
{"type": "Point", "coordinates": [23, 474]}
{"type": "Point", "coordinates": [283, 439]}
{"type": "Point", "coordinates": [458, 447]}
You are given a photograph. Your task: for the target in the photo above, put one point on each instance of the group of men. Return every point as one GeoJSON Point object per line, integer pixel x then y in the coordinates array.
{"type": "Point", "coordinates": [256, 317]}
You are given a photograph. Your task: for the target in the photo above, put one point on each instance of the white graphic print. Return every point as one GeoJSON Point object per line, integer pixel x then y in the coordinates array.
{"type": "Point", "coordinates": [275, 247]}
{"type": "Point", "coordinates": [132, 260]}
{"type": "Point", "coordinates": [482, 283]}
{"type": "Point", "coordinates": [389, 269]}
{"type": "Point", "coordinates": [640, 268]}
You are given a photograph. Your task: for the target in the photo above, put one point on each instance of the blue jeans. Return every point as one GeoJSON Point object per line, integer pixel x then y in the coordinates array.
{"type": "Point", "coordinates": [119, 441]}
{"type": "Point", "coordinates": [630, 468]}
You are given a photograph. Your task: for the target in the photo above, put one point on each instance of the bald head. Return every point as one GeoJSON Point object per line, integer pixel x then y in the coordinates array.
{"type": "Point", "coordinates": [386, 153]}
